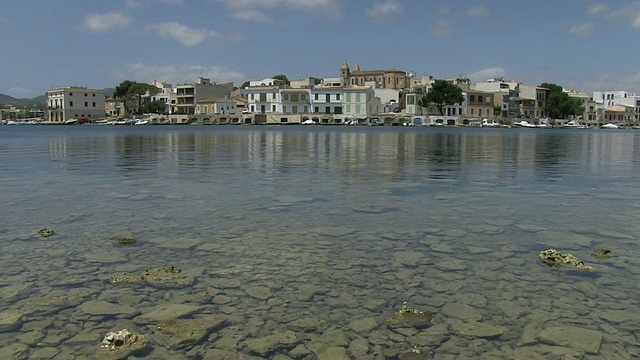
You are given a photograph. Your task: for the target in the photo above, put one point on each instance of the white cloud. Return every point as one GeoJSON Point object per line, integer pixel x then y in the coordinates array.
{"type": "Point", "coordinates": [476, 11]}
{"type": "Point", "coordinates": [256, 9]}
{"type": "Point", "coordinates": [384, 11]}
{"type": "Point", "coordinates": [183, 34]}
{"type": "Point", "coordinates": [597, 8]}
{"type": "Point", "coordinates": [104, 22]}
{"type": "Point", "coordinates": [627, 14]}
{"type": "Point", "coordinates": [581, 29]}
{"type": "Point", "coordinates": [179, 74]}
{"type": "Point", "coordinates": [138, 3]}
{"type": "Point", "coordinates": [491, 73]}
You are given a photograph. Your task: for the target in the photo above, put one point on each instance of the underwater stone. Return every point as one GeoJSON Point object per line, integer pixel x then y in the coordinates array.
{"type": "Point", "coordinates": [125, 240]}
{"type": "Point", "coordinates": [46, 232]}
{"type": "Point", "coordinates": [554, 259]}
{"type": "Point", "coordinates": [124, 278]}
{"type": "Point", "coordinates": [604, 253]}
{"type": "Point", "coordinates": [121, 344]}
{"type": "Point", "coordinates": [406, 317]}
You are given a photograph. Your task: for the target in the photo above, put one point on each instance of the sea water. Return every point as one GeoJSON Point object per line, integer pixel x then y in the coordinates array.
{"type": "Point", "coordinates": [303, 240]}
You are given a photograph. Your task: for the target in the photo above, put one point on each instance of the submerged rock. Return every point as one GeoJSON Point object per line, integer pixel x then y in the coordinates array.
{"type": "Point", "coordinates": [158, 275]}
{"type": "Point", "coordinates": [406, 317]}
{"type": "Point", "coordinates": [46, 232]}
{"type": "Point", "coordinates": [555, 259]}
{"type": "Point", "coordinates": [414, 353]}
{"type": "Point", "coordinates": [120, 345]}
{"type": "Point", "coordinates": [124, 278]}
{"type": "Point", "coordinates": [186, 333]}
{"type": "Point", "coordinates": [604, 253]}
{"type": "Point", "coordinates": [125, 240]}
{"type": "Point", "coordinates": [161, 274]}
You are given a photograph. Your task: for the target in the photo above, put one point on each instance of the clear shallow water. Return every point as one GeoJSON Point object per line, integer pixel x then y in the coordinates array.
{"type": "Point", "coordinates": [319, 233]}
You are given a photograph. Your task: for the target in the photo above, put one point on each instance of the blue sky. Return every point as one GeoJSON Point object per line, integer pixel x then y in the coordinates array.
{"type": "Point", "coordinates": [577, 44]}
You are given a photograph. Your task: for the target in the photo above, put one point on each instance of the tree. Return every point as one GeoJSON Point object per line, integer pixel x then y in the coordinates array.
{"type": "Point", "coordinates": [244, 85]}
{"type": "Point", "coordinates": [442, 93]}
{"type": "Point", "coordinates": [155, 107]}
{"type": "Point", "coordinates": [122, 90]}
{"type": "Point", "coordinates": [283, 78]}
{"type": "Point", "coordinates": [559, 104]}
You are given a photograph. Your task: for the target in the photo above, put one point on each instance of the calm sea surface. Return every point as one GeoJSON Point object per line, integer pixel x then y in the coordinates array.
{"type": "Point", "coordinates": [303, 242]}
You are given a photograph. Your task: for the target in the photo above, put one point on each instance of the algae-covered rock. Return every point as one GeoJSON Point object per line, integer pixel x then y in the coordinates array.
{"type": "Point", "coordinates": [121, 344]}
{"type": "Point", "coordinates": [125, 240]}
{"type": "Point", "coordinates": [46, 232]}
{"type": "Point", "coordinates": [554, 259]}
{"type": "Point", "coordinates": [161, 274]}
{"type": "Point", "coordinates": [124, 278]}
{"type": "Point", "coordinates": [604, 253]}
{"type": "Point", "coordinates": [406, 317]}
{"type": "Point", "coordinates": [415, 353]}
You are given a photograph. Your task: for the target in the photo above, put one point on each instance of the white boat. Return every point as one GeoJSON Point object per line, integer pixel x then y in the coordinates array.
{"type": "Point", "coordinates": [490, 123]}
{"type": "Point", "coordinates": [309, 122]}
{"type": "Point", "coordinates": [523, 124]}
{"type": "Point", "coordinates": [574, 125]}
{"type": "Point", "coordinates": [27, 121]}
{"type": "Point", "coordinates": [70, 121]}
{"type": "Point", "coordinates": [141, 122]}
{"type": "Point", "coordinates": [610, 126]}
{"type": "Point", "coordinates": [544, 126]}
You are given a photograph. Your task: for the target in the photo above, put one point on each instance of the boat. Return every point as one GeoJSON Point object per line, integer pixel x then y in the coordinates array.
{"type": "Point", "coordinates": [490, 123]}
{"type": "Point", "coordinates": [574, 125]}
{"type": "Point", "coordinates": [309, 122]}
{"type": "Point", "coordinates": [475, 124]}
{"type": "Point", "coordinates": [544, 126]}
{"type": "Point", "coordinates": [26, 121]}
{"type": "Point", "coordinates": [610, 126]}
{"type": "Point", "coordinates": [141, 122]}
{"type": "Point", "coordinates": [70, 122]}
{"type": "Point", "coordinates": [523, 124]}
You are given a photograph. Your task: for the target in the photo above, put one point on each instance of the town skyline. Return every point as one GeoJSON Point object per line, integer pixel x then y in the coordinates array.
{"type": "Point", "coordinates": [585, 46]}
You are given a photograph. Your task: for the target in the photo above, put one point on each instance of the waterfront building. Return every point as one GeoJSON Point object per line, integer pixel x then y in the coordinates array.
{"type": "Point", "coordinates": [295, 101]}
{"type": "Point", "coordinates": [223, 106]}
{"type": "Point", "coordinates": [387, 79]}
{"type": "Point", "coordinates": [187, 95]}
{"type": "Point", "coordinates": [619, 97]}
{"type": "Point", "coordinates": [505, 95]}
{"type": "Point", "coordinates": [533, 101]}
{"type": "Point", "coordinates": [74, 102]}
{"type": "Point", "coordinates": [360, 102]}
{"type": "Point", "coordinates": [327, 100]}
{"type": "Point", "coordinates": [478, 104]}
{"type": "Point", "coordinates": [114, 107]}
{"type": "Point", "coordinates": [262, 99]}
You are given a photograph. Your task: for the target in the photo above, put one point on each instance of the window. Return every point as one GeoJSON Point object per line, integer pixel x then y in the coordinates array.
{"type": "Point", "coordinates": [86, 104]}
{"type": "Point", "coordinates": [294, 109]}
{"type": "Point", "coordinates": [338, 110]}
{"type": "Point", "coordinates": [472, 98]}
{"type": "Point", "coordinates": [285, 97]}
{"type": "Point", "coordinates": [70, 94]}
{"type": "Point", "coordinates": [294, 97]}
{"type": "Point", "coordinates": [316, 109]}
{"type": "Point", "coordinates": [337, 96]}
{"type": "Point", "coordinates": [273, 108]}
{"type": "Point", "coordinates": [94, 104]}
{"type": "Point", "coordinates": [479, 98]}
{"type": "Point", "coordinates": [263, 97]}
{"type": "Point", "coordinates": [315, 96]}
{"type": "Point", "coordinates": [327, 110]}
{"type": "Point", "coordinates": [70, 103]}
{"type": "Point", "coordinates": [327, 98]}
{"type": "Point", "coordinates": [86, 95]}
{"type": "Point", "coordinates": [94, 95]}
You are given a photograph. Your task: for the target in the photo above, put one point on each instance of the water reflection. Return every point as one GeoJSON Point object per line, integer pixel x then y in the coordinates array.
{"type": "Point", "coordinates": [358, 156]}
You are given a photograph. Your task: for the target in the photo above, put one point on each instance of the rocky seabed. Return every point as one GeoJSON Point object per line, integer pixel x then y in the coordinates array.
{"type": "Point", "coordinates": [319, 292]}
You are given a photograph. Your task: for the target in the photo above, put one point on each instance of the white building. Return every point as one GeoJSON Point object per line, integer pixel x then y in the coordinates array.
{"type": "Point", "coordinates": [74, 102]}
{"type": "Point", "coordinates": [262, 99]}
{"type": "Point", "coordinates": [360, 101]}
{"type": "Point", "coordinates": [620, 97]}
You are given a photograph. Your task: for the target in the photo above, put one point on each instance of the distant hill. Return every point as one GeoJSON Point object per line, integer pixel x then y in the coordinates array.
{"type": "Point", "coordinates": [10, 100]}
{"type": "Point", "coordinates": [38, 100]}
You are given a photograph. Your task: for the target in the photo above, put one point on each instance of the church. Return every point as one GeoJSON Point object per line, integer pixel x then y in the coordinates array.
{"type": "Point", "coordinates": [386, 79]}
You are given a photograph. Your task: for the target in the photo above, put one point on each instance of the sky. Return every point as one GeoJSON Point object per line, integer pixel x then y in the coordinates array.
{"type": "Point", "coordinates": [578, 44]}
